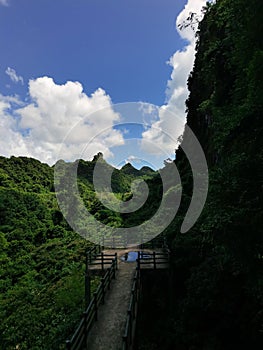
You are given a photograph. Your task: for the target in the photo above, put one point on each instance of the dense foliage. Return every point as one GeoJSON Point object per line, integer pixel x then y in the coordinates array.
{"type": "Point", "coordinates": [217, 266]}
{"type": "Point", "coordinates": [42, 259]}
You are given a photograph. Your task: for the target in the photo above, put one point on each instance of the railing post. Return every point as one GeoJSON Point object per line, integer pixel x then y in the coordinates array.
{"type": "Point", "coordinates": [113, 267]}
{"type": "Point", "coordinates": [102, 261]}
{"type": "Point", "coordinates": [68, 344]}
{"type": "Point", "coordinates": [125, 340]}
{"type": "Point", "coordinates": [138, 261]}
{"type": "Point", "coordinates": [109, 269]}
{"type": "Point", "coordinates": [88, 255]}
{"type": "Point", "coordinates": [116, 262]}
{"type": "Point", "coordinates": [154, 260]}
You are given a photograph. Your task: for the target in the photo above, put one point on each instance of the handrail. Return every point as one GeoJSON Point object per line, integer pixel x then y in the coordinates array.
{"type": "Point", "coordinates": [129, 331]}
{"type": "Point", "coordinates": [156, 258]}
{"type": "Point", "coordinates": [92, 252]}
{"type": "Point", "coordinates": [95, 256]}
{"type": "Point", "coordinates": [103, 259]}
{"type": "Point", "coordinates": [79, 339]}
{"type": "Point", "coordinates": [115, 241]}
{"type": "Point", "coordinates": [153, 259]}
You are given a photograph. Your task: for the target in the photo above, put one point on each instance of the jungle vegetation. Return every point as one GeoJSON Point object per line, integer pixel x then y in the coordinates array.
{"type": "Point", "coordinates": [217, 293]}
{"type": "Point", "coordinates": [42, 258]}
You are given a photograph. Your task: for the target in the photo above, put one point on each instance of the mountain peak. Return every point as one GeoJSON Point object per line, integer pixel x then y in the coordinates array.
{"type": "Point", "coordinates": [130, 170]}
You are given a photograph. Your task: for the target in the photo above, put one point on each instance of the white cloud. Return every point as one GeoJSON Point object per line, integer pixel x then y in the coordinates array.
{"type": "Point", "coordinates": [132, 158]}
{"type": "Point", "coordinates": [11, 141]}
{"type": "Point", "coordinates": [192, 6]}
{"type": "Point", "coordinates": [172, 115]}
{"type": "Point", "coordinates": [13, 76]}
{"type": "Point", "coordinates": [38, 129]}
{"type": "Point", "coordinates": [4, 2]}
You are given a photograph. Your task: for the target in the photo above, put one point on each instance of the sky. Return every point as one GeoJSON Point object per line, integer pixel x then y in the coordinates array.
{"type": "Point", "coordinates": [87, 76]}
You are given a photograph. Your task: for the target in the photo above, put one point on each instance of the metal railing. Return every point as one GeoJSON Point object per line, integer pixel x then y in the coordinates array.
{"type": "Point", "coordinates": [127, 339]}
{"type": "Point", "coordinates": [79, 339]}
{"type": "Point", "coordinates": [145, 260]}
{"type": "Point", "coordinates": [102, 260]}
{"type": "Point", "coordinates": [152, 260]}
{"type": "Point", "coordinates": [92, 252]}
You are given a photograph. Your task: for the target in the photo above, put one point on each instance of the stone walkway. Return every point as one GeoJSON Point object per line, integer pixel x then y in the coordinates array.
{"type": "Point", "coordinates": [107, 332]}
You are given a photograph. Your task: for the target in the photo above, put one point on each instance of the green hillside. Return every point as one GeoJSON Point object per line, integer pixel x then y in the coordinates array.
{"type": "Point", "coordinates": [42, 259]}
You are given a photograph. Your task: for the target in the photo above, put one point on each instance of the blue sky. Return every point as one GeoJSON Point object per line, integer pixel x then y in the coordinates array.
{"type": "Point", "coordinates": [63, 60]}
{"type": "Point", "coordinates": [120, 46]}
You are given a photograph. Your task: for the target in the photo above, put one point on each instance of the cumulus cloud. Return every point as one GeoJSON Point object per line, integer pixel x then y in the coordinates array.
{"type": "Point", "coordinates": [172, 115]}
{"type": "Point", "coordinates": [4, 2]}
{"type": "Point", "coordinates": [13, 76]}
{"type": "Point", "coordinates": [60, 121]}
{"type": "Point", "coordinates": [11, 141]}
{"type": "Point", "coordinates": [132, 158]}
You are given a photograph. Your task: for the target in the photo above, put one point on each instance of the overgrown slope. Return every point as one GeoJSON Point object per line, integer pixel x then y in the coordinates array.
{"type": "Point", "coordinates": [41, 258]}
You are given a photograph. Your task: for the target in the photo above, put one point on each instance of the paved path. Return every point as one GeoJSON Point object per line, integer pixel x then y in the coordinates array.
{"type": "Point", "coordinates": [107, 332]}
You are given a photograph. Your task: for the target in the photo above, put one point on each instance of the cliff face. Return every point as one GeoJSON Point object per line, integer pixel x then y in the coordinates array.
{"type": "Point", "coordinates": [225, 85]}
{"type": "Point", "coordinates": [225, 110]}
{"type": "Point", "coordinates": [218, 263]}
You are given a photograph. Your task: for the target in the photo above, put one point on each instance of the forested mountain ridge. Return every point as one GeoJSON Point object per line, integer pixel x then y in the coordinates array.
{"type": "Point", "coordinates": [25, 173]}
